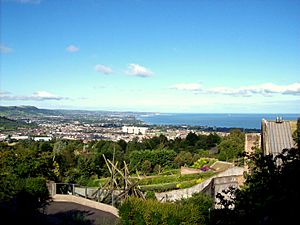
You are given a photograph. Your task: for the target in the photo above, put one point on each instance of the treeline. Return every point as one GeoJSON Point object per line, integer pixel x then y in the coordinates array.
{"type": "Point", "coordinates": [9, 124]}
{"type": "Point", "coordinates": [79, 162]}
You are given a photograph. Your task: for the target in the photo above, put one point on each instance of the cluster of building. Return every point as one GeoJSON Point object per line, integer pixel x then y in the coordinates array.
{"type": "Point", "coordinates": [76, 130]}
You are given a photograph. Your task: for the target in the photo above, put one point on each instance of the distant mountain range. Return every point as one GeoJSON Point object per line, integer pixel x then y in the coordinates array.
{"type": "Point", "coordinates": [32, 110]}
{"type": "Point", "coordinates": [27, 113]}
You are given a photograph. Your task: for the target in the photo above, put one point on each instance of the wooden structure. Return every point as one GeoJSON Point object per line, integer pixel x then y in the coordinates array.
{"type": "Point", "coordinates": [119, 186]}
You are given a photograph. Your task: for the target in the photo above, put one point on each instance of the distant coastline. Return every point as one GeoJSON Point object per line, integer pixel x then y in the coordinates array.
{"type": "Point", "coordinates": [228, 120]}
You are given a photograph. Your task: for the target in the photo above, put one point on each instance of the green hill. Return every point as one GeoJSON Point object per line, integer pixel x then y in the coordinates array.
{"type": "Point", "coordinates": [9, 124]}
{"type": "Point", "coordinates": [25, 111]}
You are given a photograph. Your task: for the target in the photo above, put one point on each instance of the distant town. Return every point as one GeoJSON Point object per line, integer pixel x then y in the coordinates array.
{"type": "Point", "coordinates": [28, 122]}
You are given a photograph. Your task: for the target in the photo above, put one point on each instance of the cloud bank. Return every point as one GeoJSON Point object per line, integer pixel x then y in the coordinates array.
{"type": "Point", "coordinates": [267, 89]}
{"type": "Point", "coordinates": [37, 96]}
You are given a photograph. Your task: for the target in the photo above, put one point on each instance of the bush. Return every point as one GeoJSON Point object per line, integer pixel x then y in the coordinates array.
{"type": "Point", "coordinates": [186, 184]}
{"type": "Point", "coordinates": [150, 195]}
{"type": "Point", "coordinates": [32, 194]}
{"type": "Point", "coordinates": [137, 211]}
{"type": "Point", "coordinates": [160, 187]}
{"type": "Point", "coordinates": [203, 162]}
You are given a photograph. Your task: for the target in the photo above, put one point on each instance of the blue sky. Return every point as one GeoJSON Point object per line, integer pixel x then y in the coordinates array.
{"type": "Point", "coordinates": [205, 56]}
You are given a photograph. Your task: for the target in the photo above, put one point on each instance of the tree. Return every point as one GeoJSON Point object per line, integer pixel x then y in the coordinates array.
{"type": "Point", "coordinates": [232, 146]}
{"type": "Point", "coordinates": [146, 167]}
{"type": "Point", "coordinates": [191, 138]}
{"type": "Point", "coordinates": [183, 158]}
{"type": "Point", "coordinates": [296, 134]}
{"type": "Point", "coordinates": [270, 194]}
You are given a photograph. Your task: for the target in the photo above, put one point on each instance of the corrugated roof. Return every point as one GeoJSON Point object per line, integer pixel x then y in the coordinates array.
{"type": "Point", "coordinates": [277, 136]}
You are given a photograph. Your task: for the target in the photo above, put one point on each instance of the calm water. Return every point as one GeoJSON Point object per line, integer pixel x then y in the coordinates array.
{"type": "Point", "coordinates": [247, 121]}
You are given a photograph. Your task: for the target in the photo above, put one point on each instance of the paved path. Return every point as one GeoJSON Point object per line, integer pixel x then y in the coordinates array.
{"type": "Point", "coordinates": [65, 212]}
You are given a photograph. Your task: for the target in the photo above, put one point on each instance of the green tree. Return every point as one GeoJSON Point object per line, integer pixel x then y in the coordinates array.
{"type": "Point", "coordinates": [191, 138]}
{"type": "Point", "coordinates": [296, 134]}
{"type": "Point", "coordinates": [146, 167]}
{"type": "Point", "coordinates": [232, 146]}
{"type": "Point", "coordinates": [183, 158]}
{"type": "Point", "coordinates": [270, 194]}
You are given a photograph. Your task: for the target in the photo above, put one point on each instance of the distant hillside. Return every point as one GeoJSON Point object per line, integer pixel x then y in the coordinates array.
{"type": "Point", "coordinates": [9, 124]}
{"type": "Point", "coordinates": [25, 111]}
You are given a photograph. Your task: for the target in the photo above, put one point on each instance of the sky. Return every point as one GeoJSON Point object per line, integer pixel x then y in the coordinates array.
{"type": "Point", "coordinates": [186, 56]}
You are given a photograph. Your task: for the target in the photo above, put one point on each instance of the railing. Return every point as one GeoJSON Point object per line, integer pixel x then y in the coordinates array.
{"type": "Point", "coordinates": [92, 193]}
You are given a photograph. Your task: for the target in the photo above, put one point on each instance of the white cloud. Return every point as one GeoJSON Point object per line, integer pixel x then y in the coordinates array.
{"type": "Point", "coordinates": [43, 95]}
{"type": "Point", "coordinates": [267, 89]}
{"type": "Point", "coordinates": [72, 48]}
{"type": "Point", "coordinates": [293, 89]}
{"type": "Point", "coordinates": [245, 92]}
{"type": "Point", "coordinates": [103, 69]}
{"type": "Point", "coordinates": [138, 70]}
{"type": "Point", "coordinates": [187, 86]}
{"type": "Point", "coordinates": [5, 49]}
{"type": "Point", "coordinates": [37, 96]}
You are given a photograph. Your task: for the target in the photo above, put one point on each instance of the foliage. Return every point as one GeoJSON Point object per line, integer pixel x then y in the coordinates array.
{"type": "Point", "coordinates": [159, 187]}
{"type": "Point", "coordinates": [137, 211]}
{"type": "Point", "coordinates": [232, 146]}
{"type": "Point", "coordinates": [183, 158]}
{"type": "Point", "coordinates": [150, 195]}
{"type": "Point", "coordinates": [174, 178]}
{"type": "Point", "coordinates": [146, 167]}
{"type": "Point", "coordinates": [270, 194]}
{"type": "Point", "coordinates": [202, 203]}
{"type": "Point", "coordinates": [296, 134]}
{"type": "Point", "coordinates": [163, 157]}
{"type": "Point", "coordinates": [171, 182]}
{"type": "Point", "coordinates": [202, 162]}
{"type": "Point", "coordinates": [9, 124]}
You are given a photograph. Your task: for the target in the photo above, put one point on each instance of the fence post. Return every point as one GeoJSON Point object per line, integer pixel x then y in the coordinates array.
{"type": "Point", "coordinates": [85, 194]}
{"type": "Point", "coordinates": [53, 189]}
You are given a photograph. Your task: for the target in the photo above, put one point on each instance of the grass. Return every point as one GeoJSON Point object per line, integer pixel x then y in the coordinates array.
{"type": "Point", "coordinates": [161, 183]}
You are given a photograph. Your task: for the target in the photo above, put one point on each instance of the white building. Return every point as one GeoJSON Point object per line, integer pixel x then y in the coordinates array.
{"type": "Point", "coordinates": [134, 130]}
{"type": "Point", "coordinates": [42, 138]}
{"type": "Point", "coordinates": [19, 137]}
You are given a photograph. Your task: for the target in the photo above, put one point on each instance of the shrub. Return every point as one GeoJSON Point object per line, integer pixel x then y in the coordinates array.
{"type": "Point", "coordinates": [203, 162]}
{"type": "Point", "coordinates": [160, 187]}
{"type": "Point", "coordinates": [150, 195]}
{"type": "Point", "coordinates": [138, 211]}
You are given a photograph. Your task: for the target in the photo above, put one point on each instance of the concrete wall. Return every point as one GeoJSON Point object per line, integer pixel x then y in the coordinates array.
{"type": "Point", "coordinates": [252, 140]}
{"type": "Point", "coordinates": [231, 177]}
{"type": "Point", "coordinates": [86, 202]}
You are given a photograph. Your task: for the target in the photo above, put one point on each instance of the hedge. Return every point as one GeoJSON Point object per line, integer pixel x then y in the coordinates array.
{"type": "Point", "coordinates": [145, 212]}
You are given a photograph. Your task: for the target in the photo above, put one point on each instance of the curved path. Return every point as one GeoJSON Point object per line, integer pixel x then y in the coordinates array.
{"type": "Point", "coordinates": [68, 207]}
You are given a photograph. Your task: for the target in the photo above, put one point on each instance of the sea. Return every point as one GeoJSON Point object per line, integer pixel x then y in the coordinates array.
{"type": "Point", "coordinates": [227, 120]}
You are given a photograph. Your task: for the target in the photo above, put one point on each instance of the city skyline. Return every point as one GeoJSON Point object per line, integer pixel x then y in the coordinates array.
{"type": "Point", "coordinates": [159, 56]}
